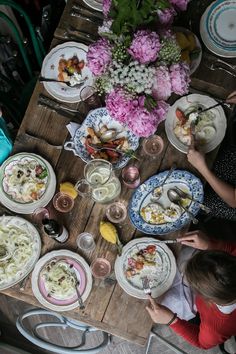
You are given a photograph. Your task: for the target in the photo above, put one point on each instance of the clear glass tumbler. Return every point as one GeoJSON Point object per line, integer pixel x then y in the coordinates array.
{"type": "Point", "coordinates": [85, 241]}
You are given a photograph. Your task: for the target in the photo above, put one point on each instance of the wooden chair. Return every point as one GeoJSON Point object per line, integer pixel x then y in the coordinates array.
{"type": "Point", "coordinates": [59, 322]}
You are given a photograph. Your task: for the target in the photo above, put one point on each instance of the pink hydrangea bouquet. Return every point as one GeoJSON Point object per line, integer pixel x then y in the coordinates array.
{"type": "Point", "coordinates": [136, 62]}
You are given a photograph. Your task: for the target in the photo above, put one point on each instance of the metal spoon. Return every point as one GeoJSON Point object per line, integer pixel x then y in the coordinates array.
{"type": "Point", "coordinates": [184, 195]}
{"type": "Point", "coordinates": [108, 135]}
{"type": "Point", "coordinates": [157, 194]}
{"type": "Point", "coordinates": [68, 83]}
{"type": "Point", "coordinates": [175, 198]}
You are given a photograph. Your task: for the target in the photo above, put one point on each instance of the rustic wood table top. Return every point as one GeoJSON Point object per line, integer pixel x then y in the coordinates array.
{"type": "Point", "coordinates": [108, 307]}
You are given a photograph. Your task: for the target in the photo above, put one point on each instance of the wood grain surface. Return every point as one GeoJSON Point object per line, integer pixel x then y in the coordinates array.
{"type": "Point", "coordinates": [108, 307]}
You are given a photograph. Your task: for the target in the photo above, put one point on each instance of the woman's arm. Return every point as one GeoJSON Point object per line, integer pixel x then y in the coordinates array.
{"type": "Point", "coordinates": [224, 190]}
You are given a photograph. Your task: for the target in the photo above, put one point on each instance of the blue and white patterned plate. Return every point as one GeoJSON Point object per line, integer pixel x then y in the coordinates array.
{"type": "Point", "coordinates": [142, 197]}
{"type": "Point", "coordinates": [95, 119]}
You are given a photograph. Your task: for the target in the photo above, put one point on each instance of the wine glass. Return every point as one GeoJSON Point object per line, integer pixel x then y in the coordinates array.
{"type": "Point", "coordinates": [100, 268]}
{"type": "Point", "coordinates": [130, 176]}
{"type": "Point", "coordinates": [63, 202]}
{"type": "Point", "coordinates": [40, 214]}
{"type": "Point", "coordinates": [90, 98]}
{"type": "Point", "coordinates": [153, 146]}
{"type": "Point", "coordinates": [116, 212]}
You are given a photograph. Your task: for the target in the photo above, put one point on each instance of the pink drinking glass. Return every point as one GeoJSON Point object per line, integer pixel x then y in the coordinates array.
{"type": "Point", "coordinates": [130, 176]}
{"type": "Point", "coordinates": [100, 268]}
{"type": "Point", "coordinates": [152, 146]}
{"type": "Point", "coordinates": [116, 212]}
{"type": "Point", "coordinates": [63, 202]}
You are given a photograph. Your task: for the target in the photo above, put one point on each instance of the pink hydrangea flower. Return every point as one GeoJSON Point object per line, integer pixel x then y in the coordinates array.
{"type": "Point", "coordinates": [180, 78]}
{"type": "Point", "coordinates": [161, 89]}
{"type": "Point", "coordinates": [161, 111]}
{"type": "Point", "coordinates": [180, 4]}
{"type": "Point", "coordinates": [144, 123]}
{"type": "Point", "coordinates": [106, 7]}
{"type": "Point", "coordinates": [145, 46]}
{"type": "Point", "coordinates": [99, 56]}
{"type": "Point", "coordinates": [166, 16]}
{"type": "Point", "coordinates": [119, 105]}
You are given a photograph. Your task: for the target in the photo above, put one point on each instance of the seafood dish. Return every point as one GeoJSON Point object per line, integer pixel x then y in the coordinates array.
{"type": "Point", "coordinates": [98, 147]}
{"type": "Point", "coordinates": [202, 125]}
{"type": "Point", "coordinates": [25, 180]}
{"type": "Point", "coordinates": [70, 69]}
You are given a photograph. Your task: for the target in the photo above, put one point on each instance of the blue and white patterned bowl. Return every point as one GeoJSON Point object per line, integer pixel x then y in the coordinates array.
{"type": "Point", "coordinates": [142, 196]}
{"type": "Point", "coordinates": [95, 119]}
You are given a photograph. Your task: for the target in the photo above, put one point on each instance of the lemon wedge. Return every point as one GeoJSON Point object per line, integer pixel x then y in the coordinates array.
{"type": "Point", "coordinates": [68, 188]}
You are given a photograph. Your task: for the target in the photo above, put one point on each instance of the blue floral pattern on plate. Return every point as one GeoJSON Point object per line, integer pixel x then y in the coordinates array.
{"type": "Point", "coordinates": [94, 119]}
{"type": "Point", "coordinates": [140, 196]}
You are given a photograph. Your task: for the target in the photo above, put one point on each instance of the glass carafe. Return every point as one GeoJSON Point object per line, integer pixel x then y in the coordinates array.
{"type": "Point", "coordinates": [100, 182]}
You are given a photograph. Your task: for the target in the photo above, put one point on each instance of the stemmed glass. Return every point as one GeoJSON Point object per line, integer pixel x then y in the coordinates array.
{"type": "Point", "coordinates": [116, 212]}
{"type": "Point", "coordinates": [152, 146]}
{"type": "Point", "coordinates": [63, 202]}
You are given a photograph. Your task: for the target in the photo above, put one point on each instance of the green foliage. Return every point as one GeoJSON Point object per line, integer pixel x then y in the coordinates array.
{"type": "Point", "coordinates": [127, 15]}
{"type": "Point", "coordinates": [150, 103]}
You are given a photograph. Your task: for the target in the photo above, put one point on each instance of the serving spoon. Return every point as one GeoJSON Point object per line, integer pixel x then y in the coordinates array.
{"type": "Point", "coordinates": [175, 198]}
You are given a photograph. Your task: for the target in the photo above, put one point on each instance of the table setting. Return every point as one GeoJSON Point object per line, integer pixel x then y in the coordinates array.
{"type": "Point", "coordinates": [117, 100]}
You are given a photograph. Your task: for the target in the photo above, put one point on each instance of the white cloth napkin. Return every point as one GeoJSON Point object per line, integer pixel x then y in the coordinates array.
{"type": "Point", "coordinates": [179, 298]}
{"type": "Point", "coordinates": [72, 127]}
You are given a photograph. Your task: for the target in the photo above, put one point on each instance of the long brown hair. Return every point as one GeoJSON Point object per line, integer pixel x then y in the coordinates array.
{"type": "Point", "coordinates": [212, 274]}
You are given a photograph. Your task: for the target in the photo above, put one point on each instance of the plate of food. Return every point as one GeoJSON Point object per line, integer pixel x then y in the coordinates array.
{"type": "Point", "coordinates": [101, 137]}
{"type": "Point", "coordinates": [94, 4]}
{"type": "Point", "coordinates": [27, 181]}
{"type": "Point", "coordinates": [20, 246]}
{"type": "Point", "coordinates": [157, 216]}
{"type": "Point", "coordinates": [217, 28]}
{"type": "Point", "coordinates": [55, 278]}
{"type": "Point", "coordinates": [191, 50]}
{"type": "Point", "coordinates": [209, 126]}
{"type": "Point", "coordinates": [145, 257]}
{"type": "Point", "coordinates": [67, 62]}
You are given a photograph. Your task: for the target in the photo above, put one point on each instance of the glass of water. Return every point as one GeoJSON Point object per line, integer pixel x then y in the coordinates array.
{"type": "Point", "coordinates": [85, 242]}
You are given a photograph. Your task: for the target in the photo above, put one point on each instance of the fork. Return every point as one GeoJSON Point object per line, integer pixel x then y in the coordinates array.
{"type": "Point", "coordinates": [95, 147]}
{"type": "Point", "coordinates": [146, 285]}
{"type": "Point", "coordinates": [68, 83]}
{"type": "Point", "coordinates": [218, 67]}
{"type": "Point", "coordinates": [183, 194]}
{"type": "Point", "coordinates": [80, 300]}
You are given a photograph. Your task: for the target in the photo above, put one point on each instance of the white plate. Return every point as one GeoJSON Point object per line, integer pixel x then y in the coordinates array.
{"type": "Point", "coordinates": [166, 268]}
{"type": "Point", "coordinates": [50, 70]}
{"type": "Point", "coordinates": [39, 266]}
{"type": "Point", "coordinates": [96, 119]}
{"type": "Point", "coordinates": [30, 207]}
{"type": "Point", "coordinates": [33, 234]}
{"type": "Point", "coordinates": [94, 4]}
{"type": "Point", "coordinates": [221, 24]}
{"type": "Point", "coordinates": [183, 103]}
{"type": "Point", "coordinates": [195, 62]}
{"type": "Point", "coordinates": [217, 37]}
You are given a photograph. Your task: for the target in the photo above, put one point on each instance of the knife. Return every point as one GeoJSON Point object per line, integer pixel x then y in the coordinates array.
{"type": "Point", "coordinates": [86, 11]}
{"type": "Point", "coordinates": [82, 16]}
{"type": "Point", "coordinates": [60, 109]}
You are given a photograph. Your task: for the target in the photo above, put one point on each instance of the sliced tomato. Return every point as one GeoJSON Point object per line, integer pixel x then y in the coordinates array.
{"type": "Point", "coordinates": [34, 195]}
{"type": "Point", "coordinates": [180, 116]}
{"type": "Point", "coordinates": [112, 153]}
{"type": "Point", "coordinates": [89, 148]}
{"type": "Point", "coordinates": [139, 265]}
{"type": "Point", "coordinates": [151, 248]}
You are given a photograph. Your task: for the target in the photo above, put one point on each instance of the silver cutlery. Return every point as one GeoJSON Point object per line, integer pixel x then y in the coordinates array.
{"type": "Point", "coordinates": [80, 300]}
{"type": "Point", "coordinates": [68, 83]}
{"type": "Point", "coordinates": [146, 285]}
{"type": "Point", "coordinates": [84, 9]}
{"type": "Point", "coordinates": [159, 190]}
{"type": "Point", "coordinates": [95, 147]}
{"type": "Point", "coordinates": [175, 198]}
{"type": "Point", "coordinates": [24, 138]}
{"type": "Point", "coordinates": [213, 67]}
{"type": "Point", "coordinates": [166, 241]}
{"type": "Point", "coordinates": [183, 194]}
{"type": "Point", "coordinates": [72, 31]}
{"type": "Point", "coordinates": [91, 19]}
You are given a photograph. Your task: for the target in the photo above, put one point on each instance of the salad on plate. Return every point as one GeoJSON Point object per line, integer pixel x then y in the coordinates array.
{"type": "Point", "coordinates": [25, 180]}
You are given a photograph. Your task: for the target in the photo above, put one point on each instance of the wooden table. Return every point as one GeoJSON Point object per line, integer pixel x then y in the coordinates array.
{"type": "Point", "coordinates": [108, 307]}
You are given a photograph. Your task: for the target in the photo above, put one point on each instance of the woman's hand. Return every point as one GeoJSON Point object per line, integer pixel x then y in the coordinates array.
{"type": "Point", "coordinates": [231, 98]}
{"type": "Point", "coordinates": [196, 239]}
{"type": "Point", "coordinates": [159, 314]}
{"type": "Point", "coordinates": [196, 158]}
